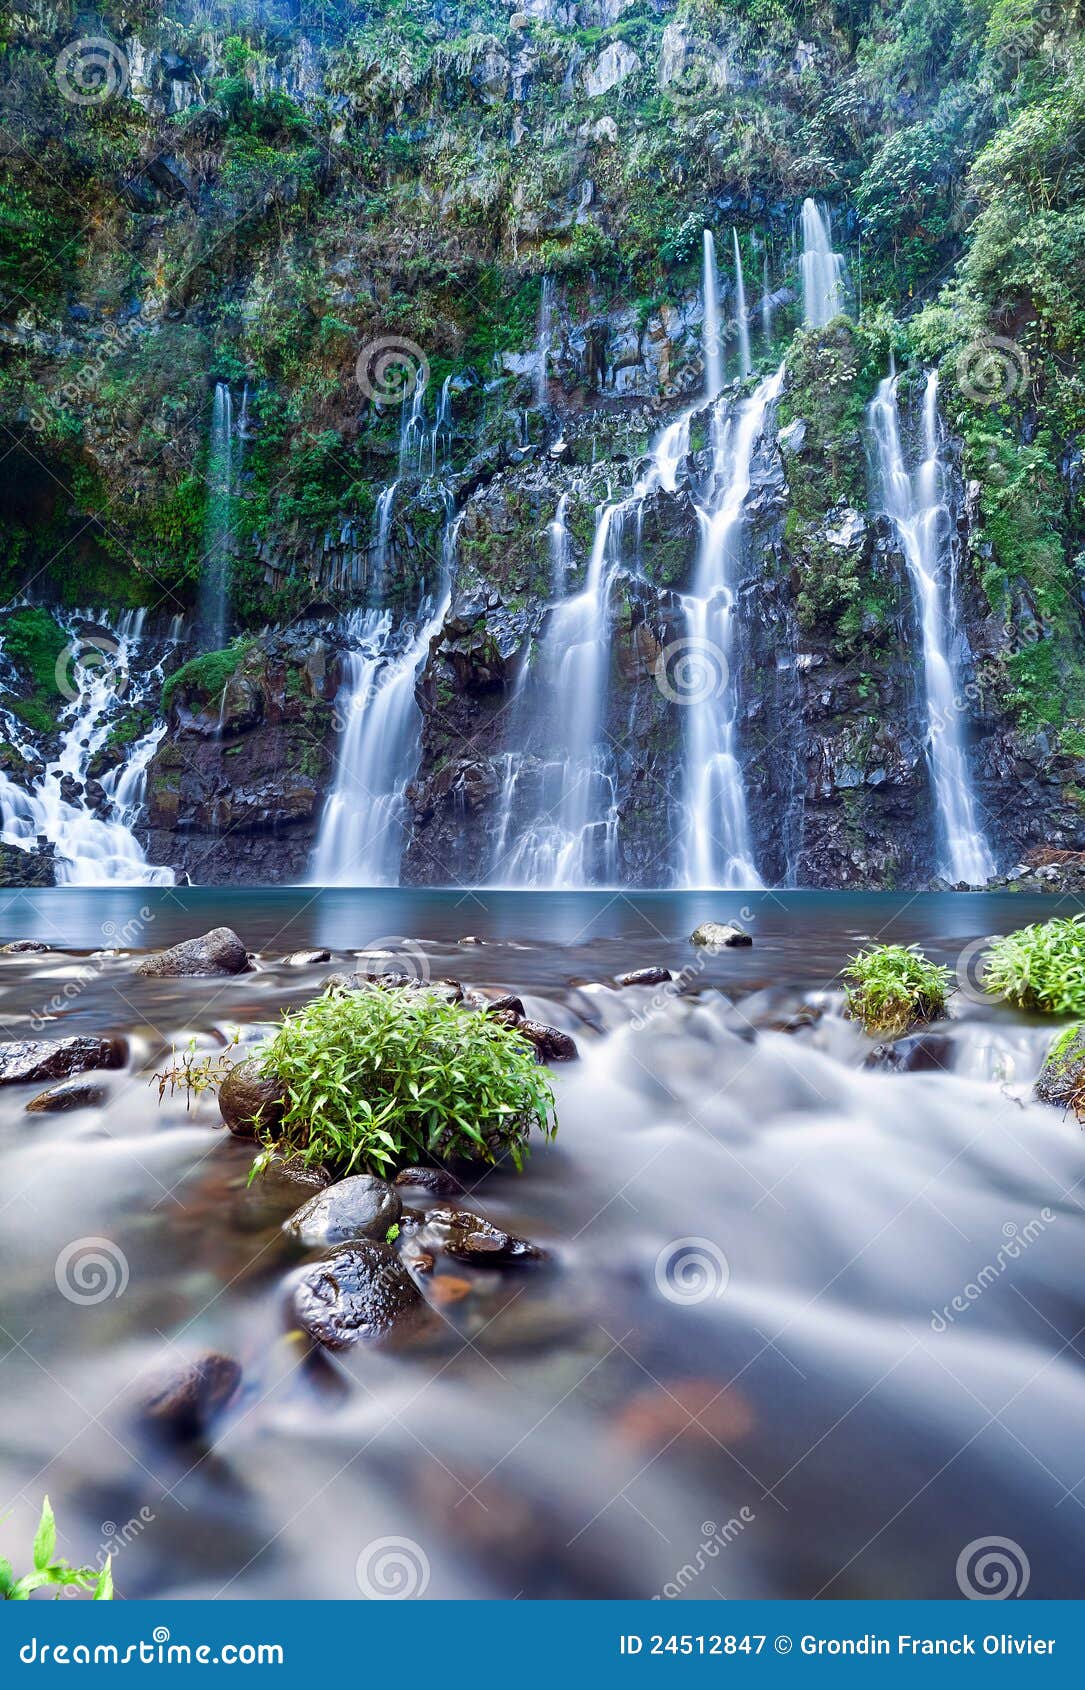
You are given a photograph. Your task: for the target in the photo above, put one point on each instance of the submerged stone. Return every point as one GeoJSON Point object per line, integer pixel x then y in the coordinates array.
{"type": "Point", "coordinates": [183, 1403]}
{"type": "Point", "coordinates": [73, 1094]}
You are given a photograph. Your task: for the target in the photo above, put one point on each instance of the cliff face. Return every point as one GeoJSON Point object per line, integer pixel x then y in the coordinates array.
{"type": "Point", "coordinates": [506, 209]}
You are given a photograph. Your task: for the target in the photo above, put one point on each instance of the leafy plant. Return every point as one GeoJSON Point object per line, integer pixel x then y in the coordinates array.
{"type": "Point", "coordinates": [1041, 967]}
{"type": "Point", "coordinates": [49, 1570]}
{"type": "Point", "coordinates": [193, 1077]}
{"type": "Point", "coordinates": [895, 988]}
{"type": "Point", "coordinates": [372, 1077]}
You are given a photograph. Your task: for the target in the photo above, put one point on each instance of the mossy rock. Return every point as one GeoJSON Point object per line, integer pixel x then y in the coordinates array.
{"type": "Point", "coordinates": [1062, 1077]}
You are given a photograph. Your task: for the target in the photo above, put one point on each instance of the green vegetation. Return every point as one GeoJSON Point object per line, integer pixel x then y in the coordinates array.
{"type": "Point", "coordinates": [377, 1077]}
{"type": "Point", "coordinates": [896, 987]}
{"type": "Point", "coordinates": [1041, 967]}
{"type": "Point", "coordinates": [206, 677]}
{"type": "Point", "coordinates": [34, 642]}
{"type": "Point", "coordinates": [49, 1569]}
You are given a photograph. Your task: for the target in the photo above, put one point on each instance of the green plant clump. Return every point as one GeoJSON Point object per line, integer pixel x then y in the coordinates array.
{"type": "Point", "coordinates": [1041, 967]}
{"type": "Point", "coordinates": [896, 987]}
{"type": "Point", "coordinates": [48, 1570]}
{"type": "Point", "coordinates": [374, 1077]}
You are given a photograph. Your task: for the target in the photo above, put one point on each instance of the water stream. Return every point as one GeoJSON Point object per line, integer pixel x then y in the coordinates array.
{"type": "Point", "coordinates": [822, 268]}
{"type": "Point", "coordinates": [218, 540]}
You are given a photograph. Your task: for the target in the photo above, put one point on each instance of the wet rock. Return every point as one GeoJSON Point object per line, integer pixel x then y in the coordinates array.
{"type": "Point", "coordinates": [362, 1206]}
{"type": "Point", "coordinates": [183, 1403]}
{"type": "Point", "coordinates": [470, 1238]}
{"type": "Point", "coordinates": [55, 1059]}
{"type": "Point", "coordinates": [361, 1291]}
{"type": "Point", "coordinates": [1062, 1078]}
{"type": "Point", "coordinates": [507, 1005]}
{"type": "Point", "coordinates": [26, 868]}
{"type": "Point", "coordinates": [24, 947]}
{"type": "Point", "coordinates": [249, 1100]}
{"type": "Point", "coordinates": [438, 1181]}
{"type": "Point", "coordinates": [717, 936]}
{"type": "Point", "coordinates": [73, 1094]}
{"type": "Point", "coordinates": [284, 1180]}
{"type": "Point", "coordinates": [704, 1411]}
{"type": "Point", "coordinates": [551, 1043]}
{"type": "Point", "coordinates": [218, 952]}
{"type": "Point", "coordinates": [923, 1053]}
{"type": "Point", "coordinates": [306, 959]}
{"type": "Point", "coordinates": [646, 977]}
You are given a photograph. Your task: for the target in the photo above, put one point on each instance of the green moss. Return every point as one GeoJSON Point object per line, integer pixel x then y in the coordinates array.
{"type": "Point", "coordinates": [34, 643]}
{"type": "Point", "coordinates": [895, 987]}
{"type": "Point", "coordinates": [206, 676]}
{"type": "Point", "coordinates": [1041, 967]}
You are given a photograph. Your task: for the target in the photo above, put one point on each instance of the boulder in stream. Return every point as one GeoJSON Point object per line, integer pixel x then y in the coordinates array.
{"type": "Point", "coordinates": [72, 1094]}
{"type": "Point", "coordinates": [470, 1238]}
{"type": "Point", "coordinates": [646, 977]}
{"type": "Point", "coordinates": [718, 936]}
{"type": "Point", "coordinates": [181, 1403]}
{"type": "Point", "coordinates": [1062, 1077]}
{"type": "Point", "coordinates": [250, 1101]}
{"type": "Point", "coordinates": [361, 1290]}
{"type": "Point", "coordinates": [218, 952]}
{"type": "Point", "coordinates": [23, 1060]}
{"type": "Point", "coordinates": [362, 1206]}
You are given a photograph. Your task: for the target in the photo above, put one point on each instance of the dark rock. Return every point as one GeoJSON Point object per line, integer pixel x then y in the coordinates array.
{"type": "Point", "coordinates": [922, 1053]}
{"type": "Point", "coordinates": [551, 1043]}
{"type": "Point", "coordinates": [362, 1206]}
{"type": "Point", "coordinates": [507, 1005]}
{"type": "Point", "coordinates": [55, 1059]}
{"type": "Point", "coordinates": [250, 1101]}
{"type": "Point", "coordinates": [73, 1094]}
{"type": "Point", "coordinates": [715, 936]}
{"type": "Point", "coordinates": [218, 952]}
{"type": "Point", "coordinates": [470, 1238]}
{"type": "Point", "coordinates": [306, 959]}
{"type": "Point", "coordinates": [1062, 1078]}
{"type": "Point", "coordinates": [183, 1403]}
{"type": "Point", "coordinates": [438, 1181]}
{"type": "Point", "coordinates": [288, 1179]}
{"type": "Point", "coordinates": [646, 977]}
{"type": "Point", "coordinates": [24, 947]}
{"type": "Point", "coordinates": [26, 868]}
{"type": "Point", "coordinates": [360, 1291]}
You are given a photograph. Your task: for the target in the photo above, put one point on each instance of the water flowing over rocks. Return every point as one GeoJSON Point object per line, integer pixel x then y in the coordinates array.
{"type": "Point", "coordinates": [361, 1291]}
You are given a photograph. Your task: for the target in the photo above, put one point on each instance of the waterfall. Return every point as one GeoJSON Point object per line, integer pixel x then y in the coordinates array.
{"type": "Point", "coordinates": [766, 304]}
{"type": "Point", "coordinates": [560, 557]}
{"type": "Point", "coordinates": [363, 824]}
{"type": "Point", "coordinates": [91, 849]}
{"type": "Point", "coordinates": [385, 505]}
{"type": "Point", "coordinates": [542, 339]}
{"type": "Point", "coordinates": [822, 269]}
{"type": "Point", "coordinates": [740, 310]}
{"type": "Point", "coordinates": [917, 508]}
{"type": "Point", "coordinates": [218, 525]}
{"type": "Point", "coordinates": [717, 849]}
{"type": "Point", "coordinates": [712, 339]}
{"type": "Point", "coordinates": [412, 434]}
{"type": "Point", "coordinates": [440, 435]}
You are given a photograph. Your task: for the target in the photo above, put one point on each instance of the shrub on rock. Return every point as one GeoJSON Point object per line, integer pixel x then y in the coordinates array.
{"type": "Point", "coordinates": [895, 987]}
{"type": "Point", "coordinates": [1041, 967]}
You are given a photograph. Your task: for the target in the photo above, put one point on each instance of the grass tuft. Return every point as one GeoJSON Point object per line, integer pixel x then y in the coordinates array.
{"type": "Point", "coordinates": [895, 987]}
{"type": "Point", "coordinates": [1041, 967]}
{"type": "Point", "coordinates": [376, 1077]}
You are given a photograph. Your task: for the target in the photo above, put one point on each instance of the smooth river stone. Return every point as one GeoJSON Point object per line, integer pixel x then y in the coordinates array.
{"type": "Point", "coordinates": [362, 1206]}
{"type": "Point", "coordinates": [218, 952]}
{"type": "Point", "coordinates": [55, 1059]}
{"type": "Point", "coordinates": [362, 1290]}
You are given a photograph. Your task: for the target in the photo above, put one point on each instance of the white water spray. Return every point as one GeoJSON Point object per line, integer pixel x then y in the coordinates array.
{"type": "Point", "coordinates": [822, 268]}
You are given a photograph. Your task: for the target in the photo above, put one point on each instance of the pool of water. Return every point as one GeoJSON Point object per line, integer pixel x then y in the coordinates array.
{"type": "Point", "coordinates": [808, 1328]}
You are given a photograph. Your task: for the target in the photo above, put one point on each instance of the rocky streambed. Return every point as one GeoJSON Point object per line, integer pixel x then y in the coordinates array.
{"type": "Point", "coordinates": [779, 1311]}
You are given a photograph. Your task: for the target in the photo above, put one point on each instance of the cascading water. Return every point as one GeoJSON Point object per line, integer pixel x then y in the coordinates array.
{"type": "Point", "coordinates": [741, 319]}
{"type": "Point", "coordinates": [412, 433]}
{"type": "Point", "coordinates": [542, 342]}
{"type": "Point", "coordinates": [218, 544]}
{"type": "Point", "coordinates": [363, 825]}
{"type": "Point", "coordinates": [767, 304]}
{"type": "Point", "coordinates": [385, 506]}
{"type": "Point", "coordinates": [916, 506]}
{"type": "Point", "coordinates": [822, 269]}
{"type": "Point", "coordinates": [712, 339]}
{"type": "Point", "coordinates": [92, 847]}
{"type": "Point", "coordinates": [716, 837]}
{"type": "Point", "coordinates": [560, 557]}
